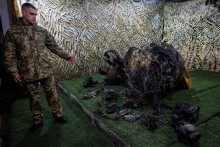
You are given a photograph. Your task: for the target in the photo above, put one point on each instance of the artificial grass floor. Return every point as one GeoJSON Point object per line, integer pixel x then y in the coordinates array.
{"type": "Point", "coordinates": [80, 132]}
{"type": "Point", "coordinates": [205, 94]}
{"type": "Point", "coordinates": [77, 132]}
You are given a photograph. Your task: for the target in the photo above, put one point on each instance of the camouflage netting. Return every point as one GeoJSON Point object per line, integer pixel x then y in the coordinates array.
{"type": "Point", "coordinates": [202, 54]}
{"type": "Point", "coordinates": [88, 28]}
{"type": "Point", "coordinates": [193, 29]}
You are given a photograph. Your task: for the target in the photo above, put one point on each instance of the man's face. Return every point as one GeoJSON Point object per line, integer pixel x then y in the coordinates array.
{"type": "Point", "coordinates": [29, 15]}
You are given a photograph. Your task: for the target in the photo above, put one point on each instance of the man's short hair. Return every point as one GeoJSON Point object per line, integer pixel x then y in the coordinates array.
{"type": "Point", "coordinates": [27, 5]}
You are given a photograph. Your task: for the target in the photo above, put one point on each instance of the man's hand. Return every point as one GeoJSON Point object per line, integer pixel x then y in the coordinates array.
{"type": "Point", "coordinates": [17, 78]}
{"type": "Point", "coordinates": [71, 60]}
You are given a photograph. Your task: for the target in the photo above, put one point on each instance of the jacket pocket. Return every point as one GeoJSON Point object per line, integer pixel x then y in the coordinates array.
{"type": "Point", "coordinates": [19, 41]}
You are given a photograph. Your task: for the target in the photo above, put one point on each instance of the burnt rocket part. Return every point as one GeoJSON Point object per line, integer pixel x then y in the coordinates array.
{"type": "Point", "coordinates": [111, 108]}
{"type": "Point", "coordinates": [157, 69]}
{"type": "Point", "coordinates": [149, 73]}
{"type": "Point", "coordinates": [111, 95]}
{"type": "Point", "coordinates": [151, 122]}
{"type": "Point", "coordinates": [89, 82]}
{"type": "Point", "coordinates": [115, 71]}
{"type": "Point", "coordinates": [183, 115]}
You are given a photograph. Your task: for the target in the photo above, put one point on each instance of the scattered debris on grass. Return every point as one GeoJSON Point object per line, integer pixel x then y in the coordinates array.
{"type": "Point", "coordinates": [147, 75]}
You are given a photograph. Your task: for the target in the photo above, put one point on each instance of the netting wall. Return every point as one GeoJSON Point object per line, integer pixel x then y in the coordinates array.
{"type": "Point", "coordinates": [194, 30]}
{"type": "Point", "coordinates": [88, 28]}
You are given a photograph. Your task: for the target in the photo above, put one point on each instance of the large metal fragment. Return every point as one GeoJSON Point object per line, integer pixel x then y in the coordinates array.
{"type": "Point", "coordinates": [150, 73]}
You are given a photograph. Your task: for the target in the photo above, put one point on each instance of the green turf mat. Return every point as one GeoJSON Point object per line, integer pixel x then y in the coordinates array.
{"type": "Point", "coordinates": [77, 132]}
{"type": "Point", "coordinates": [206, 75]}
{"type": "Point", "coordinates": [205, 94]}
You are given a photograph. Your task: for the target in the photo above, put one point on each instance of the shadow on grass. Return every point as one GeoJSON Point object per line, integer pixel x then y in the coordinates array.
{"type": "Point", "coordinates": [42, 137]}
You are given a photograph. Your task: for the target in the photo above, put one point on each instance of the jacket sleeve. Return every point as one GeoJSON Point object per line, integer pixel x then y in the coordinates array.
{"type": "Point", "coordinates": [10, 54]}
{"type": "Point", "coordinates": [53, 47]}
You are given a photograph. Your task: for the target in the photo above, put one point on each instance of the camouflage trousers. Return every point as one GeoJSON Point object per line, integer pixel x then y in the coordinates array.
{"type": "Point", "coordinates": [50, 91]}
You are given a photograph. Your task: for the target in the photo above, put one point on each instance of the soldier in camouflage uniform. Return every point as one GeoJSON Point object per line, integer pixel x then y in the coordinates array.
{"type": "Point", "coordinates": [26, 58]}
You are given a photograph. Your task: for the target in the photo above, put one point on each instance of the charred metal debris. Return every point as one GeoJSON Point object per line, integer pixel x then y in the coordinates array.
{"type": "Point", "coordinates": [89, 82]}
{"type": "Point", "coordinates": [147, 75]}
{"type": "Point", "coordinates": [183, 115]}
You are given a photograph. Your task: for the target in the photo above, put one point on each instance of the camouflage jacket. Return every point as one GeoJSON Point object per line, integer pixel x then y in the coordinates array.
{"type": "Point", "coordinates": [27, 50]}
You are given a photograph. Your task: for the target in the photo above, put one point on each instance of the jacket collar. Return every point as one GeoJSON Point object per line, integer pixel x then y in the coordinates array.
{"type": "Point", "coordinates": [20, 22]}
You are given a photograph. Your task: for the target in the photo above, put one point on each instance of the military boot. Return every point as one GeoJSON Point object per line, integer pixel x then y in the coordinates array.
{"type": "Point", "coordinates": [36, 127]}
{"type": "Point", "coordinates": [62, 119]}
